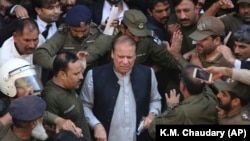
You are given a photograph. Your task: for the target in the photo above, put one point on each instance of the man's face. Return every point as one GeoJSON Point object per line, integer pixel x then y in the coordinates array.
{"type": "Point", "coordinates": [73, 75]}
{"type": "Point", "coordinates": [29, 85]}
{"type": "Point", "coordinates": [124, 56]}
{"type": "Point", "coordinates": [244, 11]}
{"type": "Point", "coordinates": [200, 4]}
{"type": "Point", "coordinates": [39, 131]}
{"type": "Point", "coordinates": [225, 100]}
{"type": "Point", "coordinates": [160, 12]}
{"type": "Point", "coordinates": [49, 13]}
{"type": "Point", "coordinates": [242, 50]}
{"type": "Point", "coordinates": [80, 33]}
{"type": "Point", "coordinates": [186, 13]}
{"type": "Point", "coordinates": [206, 46]}
{"type": "Point", "coordinates": [27, 42]}
{"type": "Point", "coordinates": [67, 4]}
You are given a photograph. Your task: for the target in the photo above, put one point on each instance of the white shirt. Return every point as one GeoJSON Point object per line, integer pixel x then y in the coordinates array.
{"type": "Point", "coordinates": [237, 63]}
{"type": "Point", "coordinates": [42, 26]}
{"type": "Point", "coordinates": [123, 121]}
{"type": "Point", "coordinates": [107, 9]}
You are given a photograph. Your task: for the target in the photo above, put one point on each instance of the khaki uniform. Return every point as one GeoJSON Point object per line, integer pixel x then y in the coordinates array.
{"type": "Point", "coordinates": [62, 40]}
{"type": "Point", "coordinates": [149, 51]}
{"type": "Point", "coordinates": [239, 117]}
{"type": "Point", "coordinates": [55, 97]}
{"type": "Point", "coordinates": [196, 109]}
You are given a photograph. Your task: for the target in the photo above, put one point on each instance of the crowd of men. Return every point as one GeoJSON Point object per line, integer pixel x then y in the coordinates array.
{"type": "Point", "coordinates": [64, 77]}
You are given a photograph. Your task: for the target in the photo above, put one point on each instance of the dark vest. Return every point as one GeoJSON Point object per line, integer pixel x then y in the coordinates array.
{"type": "Point", "coordinates": [106, 90]}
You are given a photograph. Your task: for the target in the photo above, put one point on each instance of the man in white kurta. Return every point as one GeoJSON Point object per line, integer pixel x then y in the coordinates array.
{"type": "Point", "coordinates": [124, 116]}
{"type": "Point", "coordinates": [22, 44]}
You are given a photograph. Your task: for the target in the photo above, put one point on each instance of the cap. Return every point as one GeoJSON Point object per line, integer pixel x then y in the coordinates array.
{"type": "Point", "coordinates": [240, 89]}
{"type": "Point", "coordinates": [136, 21]}
{"type": "Point", "coordinates": [78, 14]}
{"type": "Point", "coordinates": [207, 26]}
{"type": "Point", "coordinates": [247, 1]}
{"type": "Point", "coordinates": [27, 108]}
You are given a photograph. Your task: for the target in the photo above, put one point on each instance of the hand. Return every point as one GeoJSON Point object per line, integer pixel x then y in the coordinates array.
{"type": "Point", "coordinates": [173, 28]}
{"type": "Point", "coordinates": [173, 98]}
{"type": "Point", "coordinates": [6, 119]}
{"type": "Point", "coordinates": [100, 132]}
{"type": "Point", "coordinates": [227, 53]}
{"type": "Point", "coordinates": [216, 71]}
{"type": "Point", "coordinates": [115, 23]}
{"type": "Point", "coordinates": [195, 59]}
{"type": "Point", "coordinates": [63, 124]}
{"type": "Point", "coordinates": [5, 4]}
{"type": "Point", "coordinates": [21, 12]}
{"type": "Point", "coordinates": [176, 43]}
{"type": "Point", "coordinates": [82, 55]}
{"type": "Point", "coordinates": [148, 120]}
{"type": "Point", "coordinates": [221, 113]}
{"type": "Point", "coordinates": [224, 4]}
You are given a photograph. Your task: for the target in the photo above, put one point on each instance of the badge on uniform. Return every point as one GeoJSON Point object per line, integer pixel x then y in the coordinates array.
{"type": "Point", "coordinates": [68, 48]}
{"type": "Point", "coordinates": [157, 40]}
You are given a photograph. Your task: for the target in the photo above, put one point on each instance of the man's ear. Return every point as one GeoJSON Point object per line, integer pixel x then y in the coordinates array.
{"type": "Point", "coordinates": [33, 124]}
{"type": "Point", "coordinates": [38, 10]}
{"type": "Point", "coordinates": [62, 75]}
{"type": "Point", "coordinates": [218, 41]}
{"type": "Point", "coordinates": [122, 28]}
{"type": "Point", "coordinates": [235, 102]}
{"type": "Point", "coordinates": [15, 35]}
{"type": "Point", "coordinates": [112, 54]}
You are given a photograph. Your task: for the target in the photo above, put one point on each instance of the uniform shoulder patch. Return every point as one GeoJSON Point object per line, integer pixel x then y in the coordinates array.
{"type": "Point", "coordinates": [245, 113]}
{"type": "Point", "coordinates": [63, 28]}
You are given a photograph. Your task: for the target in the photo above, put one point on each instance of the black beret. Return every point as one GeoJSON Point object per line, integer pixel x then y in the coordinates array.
{"type": "Point", "coordinates": [27, 108]}
{"type": "Point", "coordinates": [78, 14]}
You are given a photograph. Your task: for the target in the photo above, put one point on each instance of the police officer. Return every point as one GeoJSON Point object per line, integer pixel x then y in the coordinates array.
{"type": "Point", "coordinates": [150, 50]}
{"type": "Point", "coordinates": [74, 36]}
{"type": "Point", "coordinates": [198, 107]}
{"type": "Point", "coordinates": [234, 99]}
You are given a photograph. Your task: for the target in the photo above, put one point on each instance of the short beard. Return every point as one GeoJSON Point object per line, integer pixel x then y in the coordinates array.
{"type": "Point", "coordinates": [226, 107]}
{"type": "Point", "coordinates": [39, 132]}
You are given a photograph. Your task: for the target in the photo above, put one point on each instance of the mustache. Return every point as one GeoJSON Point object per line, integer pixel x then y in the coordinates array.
{"type": "Point", "coordinates": [183, 20]}
{"type": "Point", "coordinates": [237, 55]}
{"type": "Point", "coordinates": [246, 14]}
{"type": "Point", "coordinates": [164, 18]}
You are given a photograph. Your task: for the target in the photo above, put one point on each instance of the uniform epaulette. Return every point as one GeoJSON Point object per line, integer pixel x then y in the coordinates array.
{"type": "Point", "coordinates": [156, 39]}
{"type": "Point", "coordinates": [222, 16]}
{"type": "Point", "coordinates": [62, 28]}
{"type": "Point", "coordinates": [245, 113]}
{"type": "Point", "coordinates": [94, 25]}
